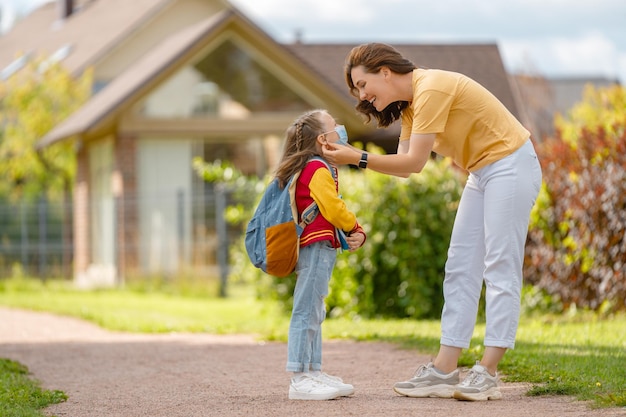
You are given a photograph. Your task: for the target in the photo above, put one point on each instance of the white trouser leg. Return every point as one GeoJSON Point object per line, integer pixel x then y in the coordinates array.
{"type": "Point", "coordinates": [488, 243]}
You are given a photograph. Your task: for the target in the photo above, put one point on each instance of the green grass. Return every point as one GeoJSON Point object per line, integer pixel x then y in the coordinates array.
{"type": "Point", "coordinates": [578, 353]}
{"type": "Point", "coordinates": [21, 396]}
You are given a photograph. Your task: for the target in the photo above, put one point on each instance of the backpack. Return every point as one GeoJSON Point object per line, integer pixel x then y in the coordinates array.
{"type": "Point", "coordinates": [273, 234]}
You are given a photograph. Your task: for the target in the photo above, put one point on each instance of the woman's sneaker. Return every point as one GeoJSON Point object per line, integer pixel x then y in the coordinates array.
{"type": "Point", "coordinates": [335, 382]}
{"type": "Point", "coordinates": [429, 382]}
{"type": "Point", "coordinates": [309, 388]}
{"type": "Point", "coordinates": [478, 385]}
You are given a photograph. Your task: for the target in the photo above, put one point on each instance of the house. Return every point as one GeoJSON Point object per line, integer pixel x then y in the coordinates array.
{"type": "Point", "coordinates": [541, 98]}
{"type": "Point", "coordinates": [178, 79]}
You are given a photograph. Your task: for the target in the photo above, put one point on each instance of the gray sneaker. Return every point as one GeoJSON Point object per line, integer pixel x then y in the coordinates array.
{"type": "Point", "coordinates": [429, 382]}
{"type": "Point", "coordinates": [478, 385]}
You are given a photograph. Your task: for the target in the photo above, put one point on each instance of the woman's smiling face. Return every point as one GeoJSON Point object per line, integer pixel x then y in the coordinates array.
{"type": "Point", "coordinates": [372, 87]}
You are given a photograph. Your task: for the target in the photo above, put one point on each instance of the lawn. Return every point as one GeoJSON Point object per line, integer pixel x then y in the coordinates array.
{"type": "Point", "coordinates": [21, 396]}
{"type": "Point", "coordinates": [576, 353]}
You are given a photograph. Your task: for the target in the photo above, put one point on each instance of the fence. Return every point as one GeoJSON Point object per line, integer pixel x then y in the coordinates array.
{"type": "Point", "coordinates": [33, 236]}
{"type": "Point", "coordinates": [37, 237]}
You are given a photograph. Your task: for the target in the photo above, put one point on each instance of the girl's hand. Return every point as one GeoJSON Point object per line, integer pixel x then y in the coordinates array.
{"type": "Point", "coordinates": [355, 241]}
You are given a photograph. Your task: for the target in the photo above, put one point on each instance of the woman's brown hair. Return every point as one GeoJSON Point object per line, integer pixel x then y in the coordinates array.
{"type": "Point", "coordinates": [300, 144]}
{"type": "Point", "coordinates": [372, 57]}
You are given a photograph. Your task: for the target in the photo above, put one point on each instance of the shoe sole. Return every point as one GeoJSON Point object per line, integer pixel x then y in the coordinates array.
{"type": "Point", "coordinates": [490, 394]}
{"type": "Point", "coordinates": [436, 391]}
{"type": "Point", "coordinates": [304, 396]}
{"type": "Point", "coordinates": [345, 392]}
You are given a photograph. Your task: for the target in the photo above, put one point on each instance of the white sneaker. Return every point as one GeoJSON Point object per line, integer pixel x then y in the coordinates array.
{"type": "Point", "coordinates": [335, 382]}
{"type": "Point", "coordinates": [311, 388]}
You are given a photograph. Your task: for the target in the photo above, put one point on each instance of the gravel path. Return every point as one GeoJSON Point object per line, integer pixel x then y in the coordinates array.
{"type": "Point", "coordinates": [108, 374]}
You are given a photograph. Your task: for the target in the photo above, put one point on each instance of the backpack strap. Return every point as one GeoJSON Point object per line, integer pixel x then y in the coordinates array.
{"type": "Point", "coordinates": [310, 213]}
{"type": "Point", "coordinates": [318, 158]}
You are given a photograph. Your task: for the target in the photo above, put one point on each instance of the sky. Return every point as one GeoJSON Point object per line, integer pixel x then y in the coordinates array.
{"type": "Point", "coordinates": [552, 38]}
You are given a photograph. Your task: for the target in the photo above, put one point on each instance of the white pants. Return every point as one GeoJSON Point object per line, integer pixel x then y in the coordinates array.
{"type": "Point", "coordinates": [487, 243]}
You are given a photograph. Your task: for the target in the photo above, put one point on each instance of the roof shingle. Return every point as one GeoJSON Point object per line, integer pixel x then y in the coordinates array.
{"type": "Point", "coordinates": [481, 62]}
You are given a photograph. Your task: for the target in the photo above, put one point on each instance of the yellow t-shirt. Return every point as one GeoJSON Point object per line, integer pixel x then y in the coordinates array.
{"type": "Point", "coordinates": [472, 126]}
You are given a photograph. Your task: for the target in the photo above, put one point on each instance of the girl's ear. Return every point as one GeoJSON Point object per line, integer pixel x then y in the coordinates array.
{"type": "Point", "coordinates": [321, 139]}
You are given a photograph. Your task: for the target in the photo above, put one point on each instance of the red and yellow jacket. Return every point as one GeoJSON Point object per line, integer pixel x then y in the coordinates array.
{"type": "Point", "coordinates": [316, 183]}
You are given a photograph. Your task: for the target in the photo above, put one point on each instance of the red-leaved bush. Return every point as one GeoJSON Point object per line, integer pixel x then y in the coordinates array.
{"type": "Point", "coordinates": [576, 245]}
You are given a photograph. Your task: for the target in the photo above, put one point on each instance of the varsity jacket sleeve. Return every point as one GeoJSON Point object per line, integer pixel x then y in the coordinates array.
{"type": "Point", "coordinates": [332, 207]}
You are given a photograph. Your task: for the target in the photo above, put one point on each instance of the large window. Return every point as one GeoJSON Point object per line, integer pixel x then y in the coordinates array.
{"type": "Point", "coordinates": [226, 83]}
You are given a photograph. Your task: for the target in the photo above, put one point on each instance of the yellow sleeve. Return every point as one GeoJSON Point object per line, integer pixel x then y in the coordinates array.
{"type": "Point", "coordinates": [332, 207]}
{"type": "Point", "coordinates": [406, 126]}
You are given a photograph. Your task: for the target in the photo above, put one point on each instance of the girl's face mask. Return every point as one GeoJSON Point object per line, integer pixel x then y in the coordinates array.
{"type": "Point", "coordinates": [343, 134]}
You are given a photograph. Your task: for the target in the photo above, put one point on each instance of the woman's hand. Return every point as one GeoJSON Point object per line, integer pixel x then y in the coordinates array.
{"type": "Point", "coordinates": [341, 155]}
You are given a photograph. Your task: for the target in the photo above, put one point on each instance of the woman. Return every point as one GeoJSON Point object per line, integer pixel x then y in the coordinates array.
{"type": "Point", "coordinates": [454, 116]}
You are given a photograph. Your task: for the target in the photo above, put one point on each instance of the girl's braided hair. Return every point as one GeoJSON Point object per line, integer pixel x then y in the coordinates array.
{"type": "Point", "coordinates": [300, 144]}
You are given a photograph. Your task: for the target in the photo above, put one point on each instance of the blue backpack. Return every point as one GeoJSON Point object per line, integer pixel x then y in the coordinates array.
{"type": "Point", "coordinates": [273, 234]}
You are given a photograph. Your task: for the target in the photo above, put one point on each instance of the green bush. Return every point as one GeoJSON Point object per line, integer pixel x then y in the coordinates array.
{"type": "Point", "coordinates": [399, 271]}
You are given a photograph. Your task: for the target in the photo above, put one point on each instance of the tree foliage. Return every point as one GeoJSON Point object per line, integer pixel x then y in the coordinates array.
{"type": "Point", "coordinates": [32, 102]}
{"type": "Point", "coordinates": [601, 109]}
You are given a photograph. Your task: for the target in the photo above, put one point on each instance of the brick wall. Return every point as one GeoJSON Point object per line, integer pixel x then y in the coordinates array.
{"type": "Point", "coordinates": [125, 171]}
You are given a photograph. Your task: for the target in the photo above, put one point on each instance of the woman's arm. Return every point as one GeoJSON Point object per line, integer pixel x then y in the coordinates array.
{"type": "Point", "coordinates": [411, 157]}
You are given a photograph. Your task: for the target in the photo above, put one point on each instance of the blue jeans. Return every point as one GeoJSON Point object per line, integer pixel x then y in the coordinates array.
{"type": "Point", "coordinates": [304, 346]}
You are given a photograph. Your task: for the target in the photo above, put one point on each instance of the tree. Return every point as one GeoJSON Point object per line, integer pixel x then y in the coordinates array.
{"type": "Point", "coordinates": [32, 102]}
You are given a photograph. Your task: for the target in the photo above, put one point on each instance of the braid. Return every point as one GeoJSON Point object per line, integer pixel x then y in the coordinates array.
{"type": "Point", "coordinates": [300, 144]}
{"type": "Point", "coordinates": [299, 126]}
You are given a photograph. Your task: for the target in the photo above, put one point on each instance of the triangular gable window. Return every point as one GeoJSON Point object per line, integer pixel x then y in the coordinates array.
{"type": "Point", "coordinates": [226, 83]}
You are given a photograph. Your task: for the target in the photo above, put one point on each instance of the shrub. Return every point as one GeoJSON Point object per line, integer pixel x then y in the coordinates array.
{"type": "Point", "coordinates": [576, 248]}
{"type": "Point", "coordinates": [399, 271]}
{"type": "Point", "coordinates": [409, 221]}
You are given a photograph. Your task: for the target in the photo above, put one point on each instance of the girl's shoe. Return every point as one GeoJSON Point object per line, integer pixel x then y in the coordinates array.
{"type": "Point", "coordinates": [310, 388]}
{"type": "Point", "coordinates": [335, 382]}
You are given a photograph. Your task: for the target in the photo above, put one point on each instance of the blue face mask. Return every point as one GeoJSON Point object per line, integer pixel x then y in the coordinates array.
{"type": "Point", "coordinates": [343, 134]}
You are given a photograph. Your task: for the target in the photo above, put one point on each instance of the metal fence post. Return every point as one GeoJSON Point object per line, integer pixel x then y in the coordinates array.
{"type": "Point", "coordinates": [222, 236]}
{"type": "Point", "coordinates": [24, 237]}
{"type": "Point", "coordinates": [43, 231]}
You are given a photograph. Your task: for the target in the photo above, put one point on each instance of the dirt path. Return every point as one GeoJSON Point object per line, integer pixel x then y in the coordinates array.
{"type": "Point", "coordinates": [128, 375]}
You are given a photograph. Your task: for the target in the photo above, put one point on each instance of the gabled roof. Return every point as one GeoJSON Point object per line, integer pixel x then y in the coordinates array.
{"type": "Point", "coordinates": [158, 63]}
{"type": "Point", "coordinates": [95, 28]}
{"type": "Point", "coordinates": [100, 26]}
{"type": "Point", "coordinates": [108, 101]}
{"type": "Point", "coordinates": [482, 62]}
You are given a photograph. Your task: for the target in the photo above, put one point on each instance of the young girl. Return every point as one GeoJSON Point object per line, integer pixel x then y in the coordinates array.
{"type": "Point", "coordinates": [456, 117]}
{"type": "Point", "coordinates": [318, 250]}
